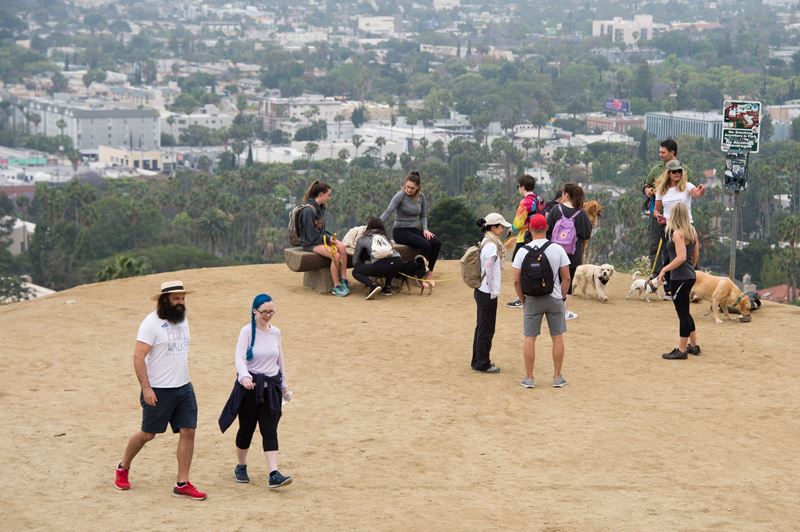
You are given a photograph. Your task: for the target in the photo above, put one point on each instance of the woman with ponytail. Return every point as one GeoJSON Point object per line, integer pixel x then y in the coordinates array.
{"type": "Point", "coordinates": [259, 390]}
{"type": "Point", "coordinates": [314, 237]}
{"type": "Point", "coordinates": [494, 226]}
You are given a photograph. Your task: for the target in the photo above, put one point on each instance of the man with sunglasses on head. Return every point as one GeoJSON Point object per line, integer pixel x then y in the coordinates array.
{"type": "Point", "coordinates": [667, 151]}
{"type": "Point", "coordinates": [161, 363]}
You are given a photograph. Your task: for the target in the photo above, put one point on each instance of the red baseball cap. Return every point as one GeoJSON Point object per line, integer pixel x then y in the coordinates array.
{"type": "Point", "coordinates": [538, 222]}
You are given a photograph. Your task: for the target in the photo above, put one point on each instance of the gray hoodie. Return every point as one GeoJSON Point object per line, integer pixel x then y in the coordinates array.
{"type": "Point", "coordinates": [364, 245]}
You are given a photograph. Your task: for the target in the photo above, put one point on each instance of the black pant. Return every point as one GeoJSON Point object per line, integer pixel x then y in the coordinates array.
{"type": "Point", "coordinates": [411, 236]}
{"type": "Point", "coordinates": [484, 330]}
{"type": "Point", "coordinates": [249, 414]}
{"type": "Point", "coordinates": [386, 268]}
{"type": "Point", "coordinates": [680, 298]}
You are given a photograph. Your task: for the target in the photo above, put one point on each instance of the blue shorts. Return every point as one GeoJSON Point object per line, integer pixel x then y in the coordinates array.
{"type": "Point", "coordinates": [176, 406]}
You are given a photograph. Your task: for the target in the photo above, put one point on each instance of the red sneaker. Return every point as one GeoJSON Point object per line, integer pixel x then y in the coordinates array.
{"type": "Point", "coordinates": [121, 479]}
{"type": "Point", "coordinates": [188, 490]}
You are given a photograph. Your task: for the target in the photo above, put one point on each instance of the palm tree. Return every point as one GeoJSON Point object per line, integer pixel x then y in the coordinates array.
{"type": "Point", "coordinates": [238, 147]}
{"type": "Point", "coordinates": [213, 228]}
{"type": "Point", "coordinates": [789, 231]}
{"type": "Point", "coordinates": [380, 142]}
{"type": "Point", "coordinates": [311, 149]}
{"type": "Point", "coordinates": [36, 119]}
{"type": "Point", "coordinates": [339, 118]}
{"type": "Point", "coordinates": [61, 125]}
{"type": "Point", "coordinates": [344, 154]}
{"type": "Point", "coordinates": [357, 142]}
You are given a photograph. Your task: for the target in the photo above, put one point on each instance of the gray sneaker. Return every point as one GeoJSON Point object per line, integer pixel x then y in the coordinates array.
{"type": "Point", "coordinates": [490, 369]}
{"type": "Point", "coordinates": [240, 473]}
{"type": "Point", "coordinates": [559, 382]}
{"type": "Point", "coordinates": [527, 382]}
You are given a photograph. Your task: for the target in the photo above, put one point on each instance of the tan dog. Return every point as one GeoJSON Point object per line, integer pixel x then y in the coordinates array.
{"type": "Point", "coordinates": [594, 211]}
{"type": "Point", "coordinates": [720, 291]}
{"type": "Point", "coordinates": [592, 275]}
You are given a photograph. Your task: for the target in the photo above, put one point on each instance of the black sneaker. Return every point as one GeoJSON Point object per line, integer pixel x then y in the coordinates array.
{"type": "Point", "coordinates": [276, 480]}
{"type": "Point", "coordinates": [386, 291]}
{"type": "Point", "coordinates": [675, 354]}
{"type": "Point", "coordinates": [693, 349]}
{"type": "Point", "coordinates": [515, 304]}
{"type": "Point", "coordinates": [240, 474]}
{"type": "Point", "coordinates": [373, 291]}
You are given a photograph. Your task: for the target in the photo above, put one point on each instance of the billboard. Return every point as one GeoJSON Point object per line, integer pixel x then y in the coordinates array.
{"type": "Point", "coordinates": [617, 105]}
{"type": "Point", "coordinates": [741, 126]}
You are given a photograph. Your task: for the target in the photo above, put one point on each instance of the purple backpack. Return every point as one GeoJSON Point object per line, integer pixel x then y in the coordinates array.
{"type": "Point", "coordinates": [564, 232]}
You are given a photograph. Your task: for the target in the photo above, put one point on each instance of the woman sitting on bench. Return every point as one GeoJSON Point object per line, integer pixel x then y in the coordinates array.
{"type": "Point", "coordinates": [314, 237]}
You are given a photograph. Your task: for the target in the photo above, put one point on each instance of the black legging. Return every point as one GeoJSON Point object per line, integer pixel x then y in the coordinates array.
{"type": "Point", "coordinates": [386, 268]}
{"type": "Point", "coordinates": [484, 330]}
{"type": "Point", "coordinates": [680, 291]}
{"type": "Point", "coordinates": [411, 236]}
{"type": "Point", "coordinates": [249, 414]}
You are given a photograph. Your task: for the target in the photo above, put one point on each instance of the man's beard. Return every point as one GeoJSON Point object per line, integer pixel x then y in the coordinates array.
{"type": "Point", "coordinates": [173, 314]}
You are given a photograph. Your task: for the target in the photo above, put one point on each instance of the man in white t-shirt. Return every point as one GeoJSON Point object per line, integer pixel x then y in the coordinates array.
{"type": "Point", "coordinates": [549, 305]}
{"type": "Point", "coordinates": [161, 363]}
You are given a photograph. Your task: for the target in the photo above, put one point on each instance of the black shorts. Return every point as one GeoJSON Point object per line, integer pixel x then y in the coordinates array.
{"type": "Point", "coordinates": [176, 406]}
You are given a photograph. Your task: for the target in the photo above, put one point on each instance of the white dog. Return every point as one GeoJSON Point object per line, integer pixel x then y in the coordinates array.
{"type": "Point", "coordinates": [592, 275]}
{"type": "Point", "coordinates": [645, 286]}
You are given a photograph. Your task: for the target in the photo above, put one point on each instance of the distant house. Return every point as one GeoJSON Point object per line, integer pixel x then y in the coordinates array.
{"type": "Point", "coordinates": [777, 294]}
{"type": "Point", "coordinates": [21, 234]}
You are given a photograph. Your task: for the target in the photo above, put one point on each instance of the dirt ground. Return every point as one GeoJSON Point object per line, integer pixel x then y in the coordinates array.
{"type": "Point", "coordinates": [390, 429]}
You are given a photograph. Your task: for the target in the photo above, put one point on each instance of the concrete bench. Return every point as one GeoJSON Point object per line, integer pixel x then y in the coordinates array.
{"type": "Point", "coordinates": [316, 269]}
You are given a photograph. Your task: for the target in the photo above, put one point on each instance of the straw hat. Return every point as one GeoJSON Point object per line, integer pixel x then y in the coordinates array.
{"type": "Point", "coordinates": [171, 287]}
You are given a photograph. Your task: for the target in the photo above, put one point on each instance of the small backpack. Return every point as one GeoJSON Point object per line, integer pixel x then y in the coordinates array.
{"type": "Point", "coordinates": [294, 223]}
{"type": "Point", "coordinates": [381, 248]}
{"type": "Point", "coordinates": [471, 266]}
{"type": "Point", "coordinates": [536, 274]}
{"type": "Point", "coordinates": [564, 232]}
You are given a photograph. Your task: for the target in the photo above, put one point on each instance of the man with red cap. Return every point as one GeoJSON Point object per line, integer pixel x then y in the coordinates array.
{"type": "Point", "coordinates": [547, 299]}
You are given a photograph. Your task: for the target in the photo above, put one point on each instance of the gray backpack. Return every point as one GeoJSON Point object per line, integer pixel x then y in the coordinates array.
{"type": "Point", "coordinates": [294, 223]}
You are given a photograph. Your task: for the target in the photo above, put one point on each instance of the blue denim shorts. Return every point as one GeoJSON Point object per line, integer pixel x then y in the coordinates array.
{"type": "Point", "coordinates": [176, 406]}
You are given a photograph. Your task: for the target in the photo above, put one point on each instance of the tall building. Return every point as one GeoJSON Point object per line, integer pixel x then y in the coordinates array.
{"type": "Point", "coordinates": [91, 124]}
{"type": "Point", "coordinates": [641, 28]}
{"type": "Point", "coordinates": [672, 125]}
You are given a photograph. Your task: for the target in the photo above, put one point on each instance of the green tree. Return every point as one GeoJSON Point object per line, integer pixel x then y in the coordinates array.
{"type": "Point", "coordinates": [122, 266]}
{"type": "Point", "coordinates": [454, 225]}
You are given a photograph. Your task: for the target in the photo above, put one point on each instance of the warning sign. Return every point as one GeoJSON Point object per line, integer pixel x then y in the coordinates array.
{"type": "Point", "coordinates": [741, 126]}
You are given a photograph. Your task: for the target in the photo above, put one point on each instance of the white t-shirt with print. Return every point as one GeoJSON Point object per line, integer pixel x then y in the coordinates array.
{"type": "Point", "coordinates": [489, 253]}
{"type": "Point", "coordinates": [554, 253]}
{"type": "Point", "coordinates": [168, 359]}
{"type": "Point", "coordinates": [674, 196]}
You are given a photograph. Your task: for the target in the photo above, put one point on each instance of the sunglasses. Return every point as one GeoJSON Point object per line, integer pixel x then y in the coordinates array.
{"type": "Point", "coordinates": [676, 171]}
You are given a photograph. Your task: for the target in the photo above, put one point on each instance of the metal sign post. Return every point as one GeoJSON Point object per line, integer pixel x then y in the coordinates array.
{"type": "Point", "coordinates": [741, 132]}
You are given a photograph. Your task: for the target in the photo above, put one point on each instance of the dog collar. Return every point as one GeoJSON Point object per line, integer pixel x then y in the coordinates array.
{"type": "Point", "coordinates": [739, 299]}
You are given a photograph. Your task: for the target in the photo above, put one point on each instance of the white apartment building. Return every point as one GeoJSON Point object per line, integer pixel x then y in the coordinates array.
{"type": "Point", "coordinates": [92, 123]}
{"type": "Point", "coordinates": [210, 117]}
{"type": "Point", "coordinates": [377, 25]}
{"type": "Point", "coordinates": [641, 28]}
{"type": "Point", "coordinates": [671, 125]}
{"type": "Point", "coordinates": [288, 113]}
{"type": "Point", "coordinates": [441, 5]}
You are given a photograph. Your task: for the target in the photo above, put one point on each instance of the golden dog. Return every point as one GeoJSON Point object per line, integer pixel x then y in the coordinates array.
{"type": "Point", "coordinates": [594, 211]}
{"type": "Point", "coordinates": [720, 291]}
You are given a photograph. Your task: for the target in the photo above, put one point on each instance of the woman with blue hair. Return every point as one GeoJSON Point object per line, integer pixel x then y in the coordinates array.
{"type": "Point", "coordinates": [259, 390]}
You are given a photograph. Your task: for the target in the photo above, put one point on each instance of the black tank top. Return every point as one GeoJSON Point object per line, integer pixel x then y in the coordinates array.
{"type": "Point", "coordinates": [685, 271]}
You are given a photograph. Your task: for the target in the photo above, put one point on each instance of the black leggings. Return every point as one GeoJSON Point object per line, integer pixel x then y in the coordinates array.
{"type": "Point", "coordinates": [386, 268]}
{"type": "Point", "coordinates": [411, 236]}
{"type": "Point", "coordinates": [249, 414]}
{"type": "Point", "coordinates": [680, 291]}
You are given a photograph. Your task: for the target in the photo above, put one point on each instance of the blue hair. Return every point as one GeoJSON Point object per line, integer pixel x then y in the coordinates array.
{"type": "Point", "coordinates": [259, 300]}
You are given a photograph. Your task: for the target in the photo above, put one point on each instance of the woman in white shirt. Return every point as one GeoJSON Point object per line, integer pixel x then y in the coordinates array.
{"type": "Point", "coordinates": [260, 388]}
{"type": "Point", "coordinates": [672, 188]}
{"type": "Point", "coordinates": [492, 256]}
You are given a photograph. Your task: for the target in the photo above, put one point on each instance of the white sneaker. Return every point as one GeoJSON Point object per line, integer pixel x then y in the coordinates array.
{"type": "Point", "coordinates": [571, 315]}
